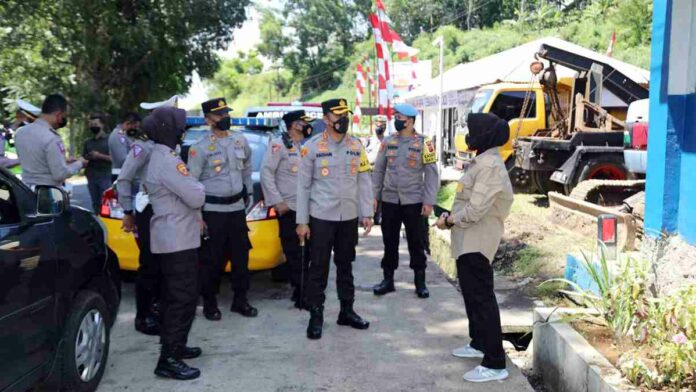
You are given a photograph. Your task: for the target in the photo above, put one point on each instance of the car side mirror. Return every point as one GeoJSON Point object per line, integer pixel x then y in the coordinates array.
{"type": "Point", "coordinates": [51, 201]}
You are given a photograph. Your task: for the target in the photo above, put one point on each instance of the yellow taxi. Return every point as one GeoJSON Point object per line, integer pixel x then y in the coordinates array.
{"type": "Point", "coordinates": [267, 252]}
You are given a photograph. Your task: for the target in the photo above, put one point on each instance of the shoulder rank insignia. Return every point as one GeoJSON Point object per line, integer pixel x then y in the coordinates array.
{"type": "Point", "coordinates": [181, 168]}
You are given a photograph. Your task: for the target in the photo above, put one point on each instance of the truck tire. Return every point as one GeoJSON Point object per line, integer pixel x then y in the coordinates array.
{"type": "Point", "coordinates": [598, 169]}
{"type": "Point", "coordinates": [541, 180]}
{"type": "Point", "coordinates": [85, 345]}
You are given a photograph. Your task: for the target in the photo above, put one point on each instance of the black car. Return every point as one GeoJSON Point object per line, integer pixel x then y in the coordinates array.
{"type": "Point", "coordinates": [59, 290]}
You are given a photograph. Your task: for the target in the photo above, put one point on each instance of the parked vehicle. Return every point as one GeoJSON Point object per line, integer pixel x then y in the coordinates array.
{"type": "Point", "coordinates": [266, 253]}
{"type": "Point", "coordinates": [59, 290]}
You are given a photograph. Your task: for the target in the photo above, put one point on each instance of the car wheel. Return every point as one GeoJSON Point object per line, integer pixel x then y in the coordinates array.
{"type": "Point", "coordinates": [85, 345]}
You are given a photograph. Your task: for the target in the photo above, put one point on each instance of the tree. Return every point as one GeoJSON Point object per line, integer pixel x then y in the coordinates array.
{"type": "Point", "coordinates": [110, 54]}
{"type": "Point", "coordinates": [313, 38]}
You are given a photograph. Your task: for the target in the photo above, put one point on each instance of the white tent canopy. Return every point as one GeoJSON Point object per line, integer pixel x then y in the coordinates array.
{"type": "Point", "coordinates": [512, 65]}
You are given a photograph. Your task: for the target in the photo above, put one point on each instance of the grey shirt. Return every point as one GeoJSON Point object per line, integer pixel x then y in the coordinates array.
{"type": "Point", "coordinates": [405, 171]}
{"type": "Point", "coordinates": [223, 166]}
{"type": "Point", "coordinates": [134, 170]}
{"type": "Point", "coordinates": [119, 145]}
{"type": "Point", "coordinates": [42, 155]}
{"type": "Point", "coordinates": [176, 198]}
{"type": "Point", "coordinates": [334, 180]}
{"type": "Point", "coordinates": [279, 173]}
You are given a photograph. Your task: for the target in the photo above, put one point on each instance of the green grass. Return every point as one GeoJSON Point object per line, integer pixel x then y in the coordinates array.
{"type": "Point", "coordinates": [529, 262]}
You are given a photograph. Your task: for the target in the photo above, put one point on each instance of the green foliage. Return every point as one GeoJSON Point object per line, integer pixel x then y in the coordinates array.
{"type": "Point", "coordinates": [110, 55]}
{"type": "Point", "coordinates": [324, 65]}
{"type": "Point", "coordinates": [663, 330]}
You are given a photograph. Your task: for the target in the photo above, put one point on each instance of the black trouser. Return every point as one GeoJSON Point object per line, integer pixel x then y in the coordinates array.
{"type": "Point", "coordinates": [341, 238]}
{"type": "Point", "coordinates": [292, 249]}
{"type": "Point", "coordinates": [179, 296]}
{"type": "Point", "coordinates": [393, 215]}
{"type": "Point", "coordinates": [96, 186]}
{"type": "Point", "coordinates": [476, 282]}
{"type": "Point", "coordinates": [148, 277]}
{"type": "Point", "coordinates": [229, 240]}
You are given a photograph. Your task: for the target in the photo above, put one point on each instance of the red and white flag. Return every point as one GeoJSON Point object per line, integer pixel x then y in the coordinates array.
{"type": "Point", "coordinates": [612, 42]}
{"type": "Point", "coordinates": [385, 86]}
{"type": "Point", "coordinates": [359, 93]}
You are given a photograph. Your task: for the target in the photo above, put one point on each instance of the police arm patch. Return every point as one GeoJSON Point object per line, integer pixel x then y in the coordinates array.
{"type": "Point", "coordinates": [137, 150]}
{"type": "Point", "coordinates": [429, 155]}
{"type": "Point", "coordinates": [182, 169]}
{"type": "Point", "coordinates": [275, 148]}
{"type": "Point", "coordinates": [364, 162]}
{"type": "Point", "coordinates": [193, 152]}
{"type": "Point", "coordinates": [304, 152]}
{"type": "Point", "coordinates": [61, 147]}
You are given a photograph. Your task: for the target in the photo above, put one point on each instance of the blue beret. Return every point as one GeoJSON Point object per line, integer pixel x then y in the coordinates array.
{"type": "Point", "coordinates": [406, 109]}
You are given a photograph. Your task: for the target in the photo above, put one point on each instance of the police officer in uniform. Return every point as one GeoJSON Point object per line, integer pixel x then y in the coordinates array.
{"type": "Point", "coordinates": [137, 211]}
{"type": "Point", "coordinates": [279, 184]}
{"type": "Point", "coordinates": [41, 150]}
{"type": "Point", "coordinates": [334, 192]}
{"type": "Point", "coordinates": [120, 141]}
{"type": "Point", "coordinates": [406, 181]}
{"type": "Point", "coordinates": [176, 199]}
{"type": "Point", "coordinates": [222, 162]}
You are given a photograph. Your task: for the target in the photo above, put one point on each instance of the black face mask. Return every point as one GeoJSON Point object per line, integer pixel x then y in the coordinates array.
{"type": "Point", "coordinates": [95, 130]}
{"type": "Point", "coordinates": [341, 126]}
{"type": "Point", "coordinates": [224, 124]}
{"type": "Point", "coordinates": [132, 132]}
{"type": "Point", "coordinates": [400, 125]}
{"type": "Point", "coordinates": [63, 123]}
{"type": "Point", "coordinates": [307, 130]}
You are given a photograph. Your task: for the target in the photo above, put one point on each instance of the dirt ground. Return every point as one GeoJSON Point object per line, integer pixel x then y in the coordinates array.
{"type": "Point", "coordinates": [534, 248]}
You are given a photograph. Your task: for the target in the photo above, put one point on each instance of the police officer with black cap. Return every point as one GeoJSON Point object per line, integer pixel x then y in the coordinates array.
{"type": "Point", "coordinates": [221, 160]}
{"type": "Point", "coordinates": [176, 199]}
{"type": "Point", "coordinates": [279, 184]}
{"type": "Point", "coordinates": [334, 193]}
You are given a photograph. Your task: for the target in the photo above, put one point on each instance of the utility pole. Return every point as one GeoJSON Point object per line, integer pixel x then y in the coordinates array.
{"type": "Point", "coordinates": [440, 129]}
{"type": "Point", "coordinates": [468, 14]}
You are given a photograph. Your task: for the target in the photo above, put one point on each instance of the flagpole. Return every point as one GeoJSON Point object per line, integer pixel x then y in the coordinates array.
{"type": "Point", "coordinates": [440, 128]}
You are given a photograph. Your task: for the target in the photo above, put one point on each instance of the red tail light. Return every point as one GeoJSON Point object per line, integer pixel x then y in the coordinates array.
{"type": "Point", "coordinates": [110, 208]}
{"type": "Point", "coordinates": [260, 212]}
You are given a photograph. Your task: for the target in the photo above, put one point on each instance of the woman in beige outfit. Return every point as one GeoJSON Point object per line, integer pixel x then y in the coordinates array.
{"type": "Point", "coordinates": [483, 201]}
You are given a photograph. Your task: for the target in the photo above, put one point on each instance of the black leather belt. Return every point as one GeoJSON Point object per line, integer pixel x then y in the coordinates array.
{"type": "Point", "coordinates": [226, 199]}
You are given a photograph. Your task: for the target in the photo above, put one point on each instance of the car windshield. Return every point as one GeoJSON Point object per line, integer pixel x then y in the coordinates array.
{"type": "Point", "coordinates": [480, 100]}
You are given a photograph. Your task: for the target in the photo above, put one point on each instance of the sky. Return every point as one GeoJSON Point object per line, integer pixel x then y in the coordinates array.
{"type": "Point", "coordinates": [243, 39]}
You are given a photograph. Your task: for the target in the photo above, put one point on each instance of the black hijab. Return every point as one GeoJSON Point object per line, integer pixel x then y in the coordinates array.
{"type": "Point", "coordinates": [486, 131]}
{"type": "Point", "coordinates": [165, 126]}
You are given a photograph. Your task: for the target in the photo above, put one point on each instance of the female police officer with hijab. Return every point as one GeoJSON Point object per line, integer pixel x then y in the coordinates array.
{"type": "Point", "coordinates": [175, 237]}
{"type": "Point", "coordinates": [483, 200]}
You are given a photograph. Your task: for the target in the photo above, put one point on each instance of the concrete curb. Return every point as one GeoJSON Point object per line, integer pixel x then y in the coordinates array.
{"type": "Point", "coordinates": [567, 362]}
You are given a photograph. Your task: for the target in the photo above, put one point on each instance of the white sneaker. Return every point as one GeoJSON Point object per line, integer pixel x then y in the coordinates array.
{"type": "Point", "coordinates": [484, 374]}
{"type": "Point", "coordinates": [467, 352]}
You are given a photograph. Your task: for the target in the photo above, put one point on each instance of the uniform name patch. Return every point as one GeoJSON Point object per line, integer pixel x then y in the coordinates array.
{"type": "Point", "coordinates": [324, 154]}
{"type": "Point", "coordinates": [181, 168]}
{"type": "Point", "coordinates": [429, 155]}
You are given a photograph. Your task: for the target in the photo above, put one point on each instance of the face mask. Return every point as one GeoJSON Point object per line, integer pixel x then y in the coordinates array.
{"type": "Point", "coordinates": [63, 122]}
{"type": "Point", "coordinates": [307, 130]}
{"type": "Point", "coordinates": [341, 126]}
{"type": "Point", "coordinates": [400, 125]}
{"type": "Point", "coordinates": [95, 130]}
{"type": "Point", "coordinates": [133, 132]}
{"type": "Point", "coordinates": [224, 124]}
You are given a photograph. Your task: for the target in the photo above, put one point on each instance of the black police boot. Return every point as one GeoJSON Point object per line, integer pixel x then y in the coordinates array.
{"type": "Point", "coordinates": [170, 365]}
{"type": "Point", "coordinates": [348, 317]}
{"type": "Point", "coordinates": [387, 285]}
{"type": "Point", "coordinates": [191, 352]}
{"type": "Point", "coordinates": [419, 280]}
{"type": "Point", "coordinates": [210, 309]}
{"type": "Point", "coordinates": [241, 305]}
{"type": "Point", "coordinates": [147, 325]}
{"type": "Point", "coordinates": [316, 322]}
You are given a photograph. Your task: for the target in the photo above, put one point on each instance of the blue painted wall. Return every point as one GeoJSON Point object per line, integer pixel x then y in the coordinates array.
{"type": "Point", "coordinates": [671, 177]}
